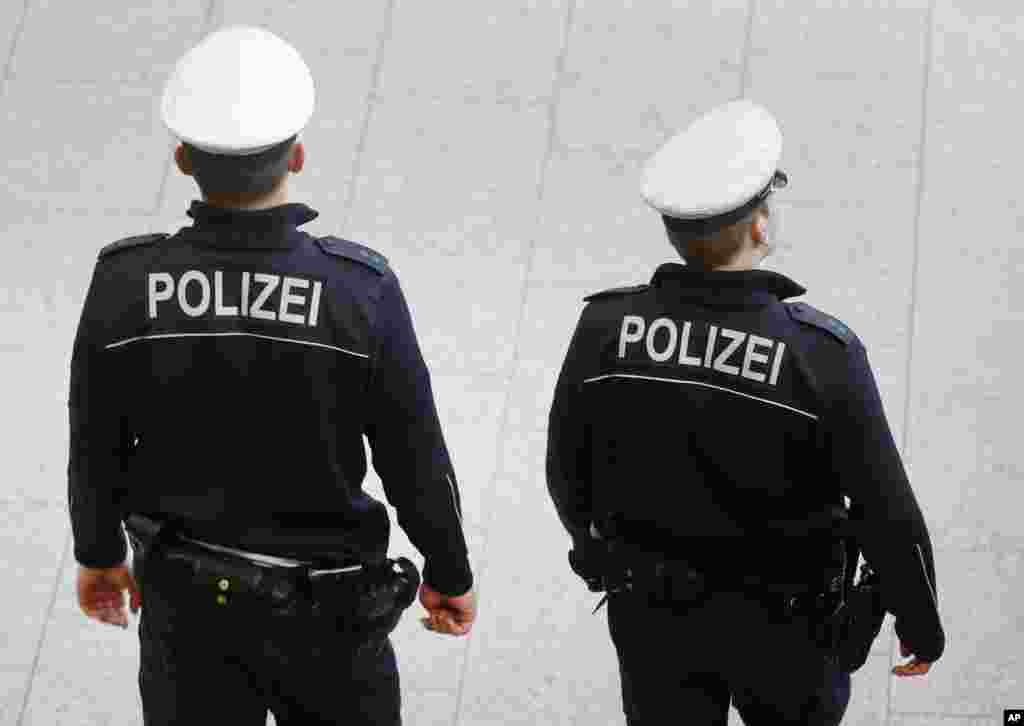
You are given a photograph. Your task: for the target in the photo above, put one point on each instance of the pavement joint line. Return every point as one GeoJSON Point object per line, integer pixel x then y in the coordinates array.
{"type": "Point", "coordinates": [171, 164]}
{"type": "Point", "coordinates": [208, 19]}
{"type": "Point", "coordinates": [18, 32]}
{"type": "Point", "coordinates": [929, 32]}
{"type": "Point", "coordinates": [550, 144]}
{"type": "Point", "coordinates": [46, 623]}
{"type": "Point", "coordinates": [372, 97]}
{"type": "Point", "coordinates": [747, 43]}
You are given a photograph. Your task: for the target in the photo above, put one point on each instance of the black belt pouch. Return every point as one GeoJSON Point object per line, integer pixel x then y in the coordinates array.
{"type": "Point", "coordinates": [368, 603]}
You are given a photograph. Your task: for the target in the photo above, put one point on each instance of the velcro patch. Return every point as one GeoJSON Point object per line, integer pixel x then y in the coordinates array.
{"type": "Point", "coordinates": [630, 290]}
{"type": "Point", "coordinates": [127, 242]}
{"type": "Point", "coordinates": [354, 251]}
{"type": "Point", "coordinates": [804, 313]}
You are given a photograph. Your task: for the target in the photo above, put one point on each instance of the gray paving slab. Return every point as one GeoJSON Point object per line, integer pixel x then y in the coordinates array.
{"type": "Point", "coordinates": [52, 256]}
{"type": "Point", "coordinates": [869, 703]}
{"type": "Point", "coordinates": [827, 39]}
{"type": "Point", "coordinates": [465, 315]}
{"type": "Point", "coordinates": [927, 719]}
{"type": "Point", "coordinates": [637, 72]}
{"type": "Point", "coordinates": [12, 16]}
{"type": "Point", "coordinates": [102, 43]}
{"type": "Point", "coordinates": [858, 273]}
{"type": "Point", "coordinates": [734, 717]}
{"type": "Point", "coordinates": [87, 672]}
{"type": "Point", "coordinates": [84, 147]}
{"type": "Point", "coordinates": [428, 708]}
{"type": "Point", "coordinates": [354, 34]}
{"type": "Point", "coordinates": [433, 178]}
{"type": "Point", "coordinates": [595, 228]}
{"type": "Point", "coordinates": [36, 428]}
{"type": "Point", "coordinates": [470, 410]}
{"type": "Point", "coordinates": [941, 719]}
{"type": "Point", "coordinates": [478, 52]}
{"type": "Point", "coordinates": [538, 655]}
{"type": "Point", "coordinates": [969, 307]}
{"type": "Point", "coordinates": [465, 236]}
{"type": "Point", "coordinates": [549, 318]}
{"type": "Point", "coordinates": [982, 670]}
{"type": "Point", "coordinates": [33, 534]}
{"type": "Point", "coordinates": [851, 116]}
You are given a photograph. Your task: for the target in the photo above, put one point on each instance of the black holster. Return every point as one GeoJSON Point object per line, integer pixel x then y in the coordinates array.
{"type": "Point", "coordinates": [145, 535]}
{"type": "Point", "coordinates": [860, 623]}
{"type": "Point", "coordinates": [368, 603]}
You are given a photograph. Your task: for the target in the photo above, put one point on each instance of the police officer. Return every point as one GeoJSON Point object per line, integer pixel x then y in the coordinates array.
{"type": "Point", "coordinates": [702, 438]}
{"type": "Point", "coordinates": [222, 381]}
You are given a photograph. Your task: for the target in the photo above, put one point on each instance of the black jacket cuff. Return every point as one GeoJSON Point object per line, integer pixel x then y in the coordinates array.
{"type": "Point", "coordinates": [450, 579]}
{"type": "Point", "coordinates": [102, 556]}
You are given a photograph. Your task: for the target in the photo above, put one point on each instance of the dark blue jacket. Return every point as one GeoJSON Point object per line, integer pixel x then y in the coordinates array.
{"type": "Point", "coordinates": [704, 412]}
{"type": "Point", "coordinates": [226, 376]}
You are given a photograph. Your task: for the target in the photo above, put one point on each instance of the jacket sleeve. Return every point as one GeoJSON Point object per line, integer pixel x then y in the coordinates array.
{"type": "Point", "coordinates": [100, 442]}
{"type": "Point", "coordinates": [409, 450]}
{"type": "Point", "coordinates": [892, 531]}
{"type": "Point", "coordinates": [568, 446]}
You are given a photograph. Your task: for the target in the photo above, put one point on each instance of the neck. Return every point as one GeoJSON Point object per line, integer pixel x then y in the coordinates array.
{"type": "Point", "coordinates": [248, 202]}
{"type": "Point", "coordinates": [746, 260]}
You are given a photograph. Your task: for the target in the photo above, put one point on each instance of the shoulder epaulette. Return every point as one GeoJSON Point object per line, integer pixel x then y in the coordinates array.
{"type": "Point", "coordinates": [136, 241]}
{"type": "Point", "coordinates": [630, 290]}
{"type": "Point", "coordinates": [354, 251]}
{"type": "Point", "coordinates": [804, 313]}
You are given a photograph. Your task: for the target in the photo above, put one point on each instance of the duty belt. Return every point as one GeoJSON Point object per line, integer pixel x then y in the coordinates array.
{"type": "Point", "coordinates": [674, 582]}
{"type": "Point", "coordinates": [366, 598]}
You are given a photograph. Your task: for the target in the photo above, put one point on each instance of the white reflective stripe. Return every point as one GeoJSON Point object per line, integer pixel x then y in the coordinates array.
{"type": "Point", "coordinates": [703, 385]}
{"type": "Point", "coordinates": [353, 568]}
{"type": "Point", "coordinates": [229, 335]}
{"type": "Point", "coordinates": [259, 559]}
{"type": "Point", "coordinates": [455, 502]}
{"type": "Point", "coordinates": [924, 570]}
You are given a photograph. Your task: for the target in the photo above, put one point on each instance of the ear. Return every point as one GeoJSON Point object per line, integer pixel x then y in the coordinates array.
{"type": "Point", "coordinates": [759, 229]}
{"type": "Point", "coordinates": [184, 163]}
{"type": "Point", "coordinates": [298, 157]}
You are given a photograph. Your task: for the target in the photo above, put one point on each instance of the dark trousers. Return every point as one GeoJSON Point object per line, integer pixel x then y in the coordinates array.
{"type": "Point", "coordinates": [684, 664]}
{"type": "Point", "coordinates": [204, 663]}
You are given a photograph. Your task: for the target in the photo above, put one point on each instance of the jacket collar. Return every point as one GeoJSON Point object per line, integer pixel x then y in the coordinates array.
{"type": "Point", "coordinates": [745, 287]}
{"type": "Point", "coordinates": [254, 228]}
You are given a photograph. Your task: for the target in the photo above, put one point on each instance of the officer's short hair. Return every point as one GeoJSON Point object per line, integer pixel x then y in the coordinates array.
{"type": "Point", "coordinates": [250, 174]}
{"type": "Point", "coordinates": [716, 248]}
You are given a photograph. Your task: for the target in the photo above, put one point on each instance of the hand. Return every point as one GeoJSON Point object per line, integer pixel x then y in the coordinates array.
{"type": "Point", "coordinates": [916, 667]}
{"type": "Point", "coordinates": [101, 594]}
{"type": "Point", "coordinates": [447, 614]}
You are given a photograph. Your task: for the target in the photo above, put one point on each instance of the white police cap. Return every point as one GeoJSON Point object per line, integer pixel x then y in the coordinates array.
{"type": "Point", "coordinates": [718, 168]}
{"type": "Point", "coordinates": [240, 91]}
